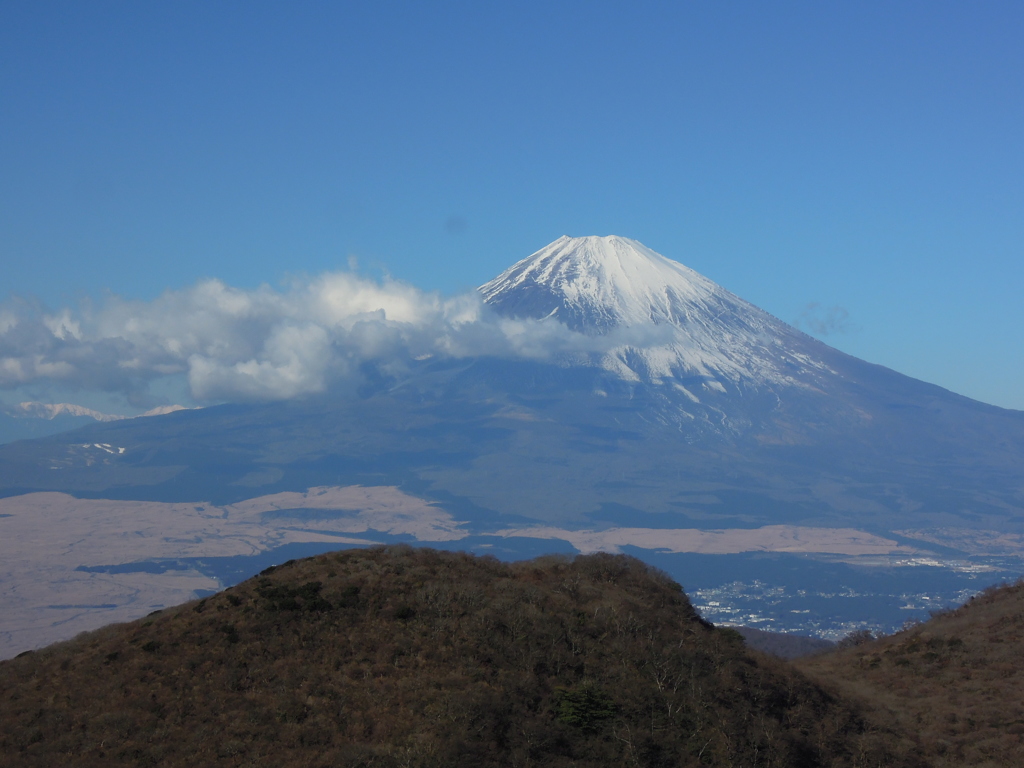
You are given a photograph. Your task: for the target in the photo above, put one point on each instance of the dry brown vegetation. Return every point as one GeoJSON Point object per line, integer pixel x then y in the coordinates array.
{"type": "Point", "coordinates": [957, 680]}
{"type": "Point", "coordinates": [401, 657]}
{"type": "Point", "coordinates": [782, 645]}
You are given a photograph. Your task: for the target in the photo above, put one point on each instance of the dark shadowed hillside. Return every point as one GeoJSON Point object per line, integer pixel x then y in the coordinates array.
{"type": "Point", "coordinates": [958, 680]}
{"type": "Point", "coordinates": [785, 646]}
{"type": "Point", "coordinates": [401, 657]}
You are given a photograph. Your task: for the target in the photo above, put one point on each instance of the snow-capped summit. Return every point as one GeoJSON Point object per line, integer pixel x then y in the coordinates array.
{"type": "Point", "coordinates": [605, 286]}
{"type": "Point", "coordinates": [593, 284]}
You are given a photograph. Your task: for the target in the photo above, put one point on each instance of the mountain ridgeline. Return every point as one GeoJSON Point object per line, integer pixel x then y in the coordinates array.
{"type": "Point", "coordinates": [670, 402]}
{"type": "Point", "coordinates": [413, 657]}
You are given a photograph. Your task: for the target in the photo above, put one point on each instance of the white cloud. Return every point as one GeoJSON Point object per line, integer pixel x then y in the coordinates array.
{"type": "Point", "coordinates": [294, 361]}
{"type": "Point", "coordinates": [63, 325]}
{"type": "Point", "coordinates": [264, 344]}
{"type": "Point", "coordinates": [8, 320]}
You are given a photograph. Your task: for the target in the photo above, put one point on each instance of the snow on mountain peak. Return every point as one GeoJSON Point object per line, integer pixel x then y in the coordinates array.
{"type": "Point", "coordinates": [593, 284]}
{"type": "Point", "coordinates": [603, 286]}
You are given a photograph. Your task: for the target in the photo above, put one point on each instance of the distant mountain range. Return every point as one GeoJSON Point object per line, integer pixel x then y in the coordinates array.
{"type": "Point", "coordinates": [33, 419]}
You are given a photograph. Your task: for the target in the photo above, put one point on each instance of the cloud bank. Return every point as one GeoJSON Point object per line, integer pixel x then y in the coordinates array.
{"type": "Point", "coordinates": [264, 344]}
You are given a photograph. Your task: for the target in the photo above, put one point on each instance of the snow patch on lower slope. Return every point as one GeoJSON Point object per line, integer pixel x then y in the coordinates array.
{"type": "Point", "coordinates": [36, 410]}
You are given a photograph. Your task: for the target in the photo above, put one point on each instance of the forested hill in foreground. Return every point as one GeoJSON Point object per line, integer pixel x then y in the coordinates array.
{"type": "Point", "coordinates": [957, 680]}
{"type": "Point", "coordinates": [403, 657]}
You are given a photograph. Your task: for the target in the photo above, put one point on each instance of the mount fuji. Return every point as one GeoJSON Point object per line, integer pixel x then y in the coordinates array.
{"type": "Point", "coordinates": [664, 322]}
{"type": "Point", "coordinates": [674, 399]}
{"type": "Point", "coordinates": [671, 417]}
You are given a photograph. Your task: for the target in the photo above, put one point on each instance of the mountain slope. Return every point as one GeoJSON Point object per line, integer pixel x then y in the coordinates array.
{"type": "Point", "coordinates": [33, 419]}
{"type": "Point", "coordinates": [682, 403]}
{"type": "Point", "coordinates": [956, 679]}
{"type": "Point", "coordinates": [417, 658]}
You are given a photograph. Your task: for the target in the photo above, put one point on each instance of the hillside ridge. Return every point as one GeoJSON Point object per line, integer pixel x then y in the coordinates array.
{"type": "Point", "coordinates": [957, 679]}
{"type": "Point", "coordinates": [410, 657]}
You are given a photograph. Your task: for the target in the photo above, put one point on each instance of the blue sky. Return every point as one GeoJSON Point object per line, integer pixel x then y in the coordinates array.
{"type": "Point", "coordinates": [866, 158]}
